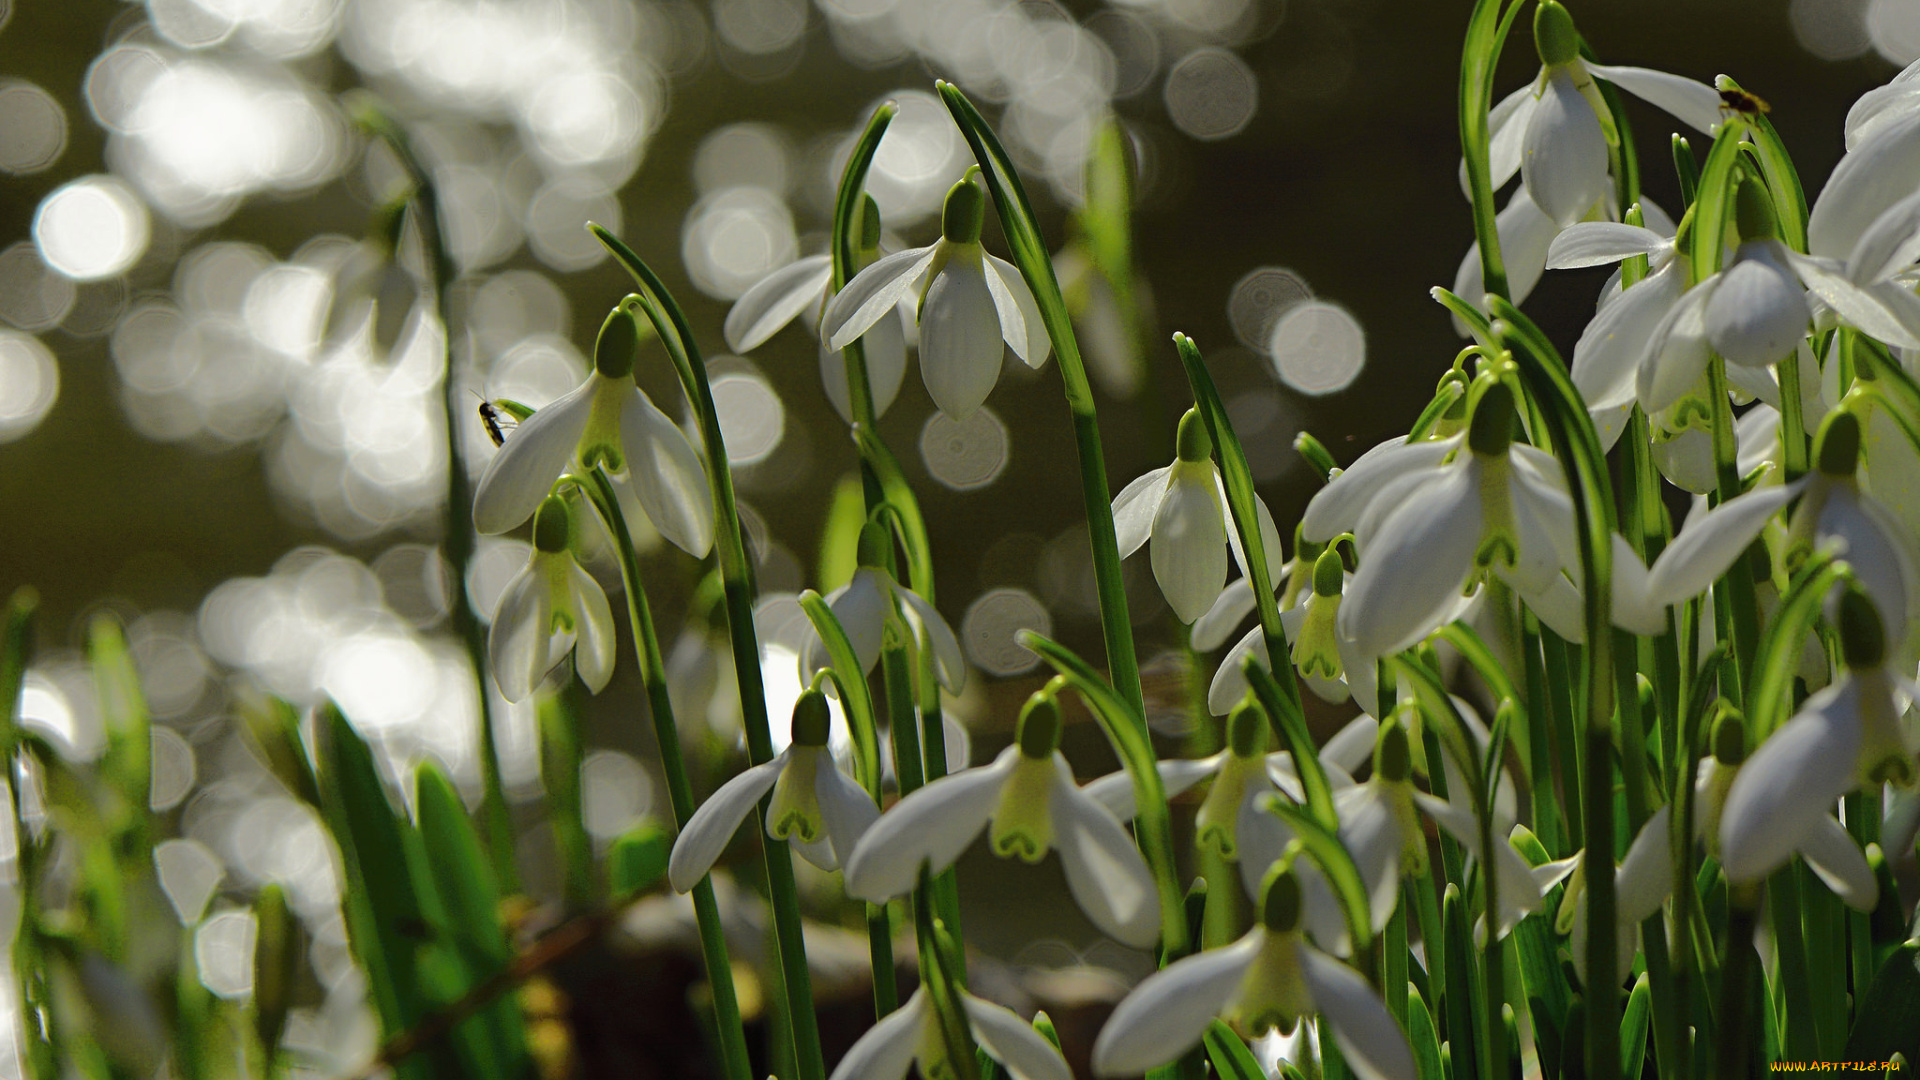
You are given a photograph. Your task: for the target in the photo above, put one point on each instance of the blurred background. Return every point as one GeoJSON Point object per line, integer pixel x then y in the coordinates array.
{"type": "Point", "coordinates": [207, 429]}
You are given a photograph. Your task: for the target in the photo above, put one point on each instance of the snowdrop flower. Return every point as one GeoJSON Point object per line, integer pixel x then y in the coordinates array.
{"type": "Point", "coordinates": [969, 302]}
{"type": "Point", "coordinates": [1641, 883]}
{"type": "Point", "coordinates": [1869, 288]}
{"type": "Point", "coordinates": [1699, 555]}
{"type": "Point", "coordinates": [1607, 356]}
{"type": "Point", "coordinates": [1183, 509]}
{"type": "Point", "coordinates": [1389, 472]}
{"type": "Point", "coordinates": [911, 1034]}
{"type": "Point", "coordinates": [1880, 168]}
{"type": "Point", "coordinates": [550, 608]}
{"type": "Point", "coordinates": [1845, 736]}
{"type": "Point", "coordinates": [1526, 233]}
{"type": "Point", "coordinates": [1268, 979]}
{"type": "Point", "coordinates": [1555, 131]}
{"type": "Point", "coordinates": [1875, 545]}
{"type": "Point", "coordinates": [873, 605]}
{"type": "Point", "coordinates": [1379, 827]}
{"type": "Point", "coordinates": [815, 805]}
{"type": "Point", "coordinates": [1882, 106]}
{"type": "Point", "coordinates": [1496, 508]}
{"type": "Point", "coordinates": [605, 421]}
{"type": "Point", "coordinates": [804, 285]}
{"type": "Point", "coordinates": [1332, 666]}
{"type": "Point", "coordinates": [1033, 806]}
{"type": "Point", "coordinates": [1830, 853]}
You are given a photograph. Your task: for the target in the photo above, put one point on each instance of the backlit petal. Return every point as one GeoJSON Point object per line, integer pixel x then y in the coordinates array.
{"type": "Point", "coordinates": [885, 346]}
{"type": "Point", "coordinates": [1411, 573]}
{"type": "Point", "coordinates": [872, 293]}
{"type": "Point", "coordinates": [1234, 604]}
{"type": "Point", "coordinates": [1597, 243]}
{"type": "Point", "coordinates": [1013, 1042]}
{"type": "Point", "coordinates": [1607, 356]}
{"type": "Point", "coordinates": [960, 346]}
{"type": "Point", "coordinates": [1188, 550]}
{"type": "Point", "coordinates": [1170, 1011]}
{"type": "Point", "coordinates": [774, 300]}
{"type": "Point", "coordinates": [517, 642]}
{"type": "Point", "coordinates": [946, 648]}
{"type": "Point", "coordinates": [845, 807]}
{"type": "Point", "coordinates": [1833, 855]}
{"type": "Point", "coordinates": [1564, 154]}
{"type": "Point", "coordinates": [1868, 179]}
{"type": "Point", "coordinates": [1790, 783]}
{"type": "Point", "coordinates": [1134, 509]}
{"type": "Point", "coordinates": [593, 651]}
{"type": "Point", "coordinates": [1105, 871]}
{"type": "Point", "coordinates": [1689, 101]}
{"type": "Point", "coordinates": [1708, 546]}
{"type": "Point", "coordinates": [711, 827]}
{"type": "Point", "coordinates": [667, 476]}
{"type": "Point", "coordinates": [1759, 312]}
{"type": "Point", "coordinates": [887, 1050]}
{"type": "Point", "coordinates": [930, 827]}
{"type": "Point", "coordinates": [1362, 1027]}
{"type": "Point", "coordinates": [1337, 507]}
{"type": "Point", "coordinates": [535, 454]}
{"type": "Point", "coordinates": [1020, 323]}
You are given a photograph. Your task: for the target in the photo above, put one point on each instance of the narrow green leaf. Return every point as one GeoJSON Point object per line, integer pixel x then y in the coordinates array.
{"type": "Point", "coordinates": [1231, 1058]}
{"type": "Point", "coordinates": [1424, 1037]}
{"type": "Point", "coordinates": [1336, 864]}
{"type": "Point", "coordinates": [279, 947]}
{"type": "Point", "coordinates": [1779, 656]}
{"type": "Point", "coordinates": [123, 710]}
{"type": "Point", "coordinates": [1633, 1027]}
{"type": "Point", "coordinates": [1461, 1005]}
{"type": "Point", "coordinates": [16, 651]}
{"type": "Point", "coordinates": [560, 757]}
{"type": "Point", "coordinates": [463, 878]}
{"type": "Point", "coordinates": [1713, 202]}
{"type": "Point", "coordinates": [1887, 1024]}
{"type": "Point", "coordinates": [272, 728]}
{"type": "Point", "coordinates": [1291, 728]}
{"type": "Point", "coordinates": [911, 527]}
{"type": "Point", "coordinates": [851, 680]}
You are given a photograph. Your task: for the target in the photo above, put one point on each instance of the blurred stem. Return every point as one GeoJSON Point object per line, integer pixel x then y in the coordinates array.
{"type": "Point", "coordinates": [458, 543]}
{"type": "Point", "coordinates": [653, 672]}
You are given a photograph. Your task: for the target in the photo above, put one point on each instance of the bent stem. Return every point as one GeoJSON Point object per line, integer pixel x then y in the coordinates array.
{"type": "Point", "coordinates": [1030, 254]}
{"type": "Point", "coordinates": [458, 543]}
{"type": "Point", "coordinates": [736, 575]}
{"type": "Point", "coordinates": [653, 672]}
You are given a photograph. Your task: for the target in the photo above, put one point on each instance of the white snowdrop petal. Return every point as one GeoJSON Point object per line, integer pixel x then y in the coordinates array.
{"type": "Point", "coordinates": [1878, 551]}
{"type": "Point", "coordinates": [1526, 235]}
{"type": "Point", "coordinates": [847, 810]}
{"type": "Point", "coordinates": [1890, 245]}
{"type": "Point", "coordinates": [885, 349]}
{"type": "Point", "coordinates": [952, 664]}
{"type": "Point", "coordinates": [774, 300]}
{"type": "Point", "coordinates": [1114, 791]}
{"type": "Point", "coordinates": [1790, 782]}
{"type": "Point", "coordinates": [1883, 309]}
{"type": "Point", "coordinates": [1708, 546]}
{"type": "Point", "coordinates": [1871, 177]}
{"type": "Point", "coordinates": [1632, 610]}
{"type": "Point", "coordinates": [1645, 877]}
{"type": "Point", "coordinates": [1368, 830]}
{"type": "Point", "coordinates": [1758, 313]}
{"type": "Point", "coordinates": [1188, 550]}
{"type": "Point", "coordinates": [1105, 871]}
{"type": "Point", "coordinates": [1607, 356]}
{"type": "Point", "coordinates": [1234, 604]}
{"type": "Point", "coordinates": [932, 826]}
{"type": "Point", "coordinates": [1596, 243]}
{"type": "Point", "coordinates": [861, 606]}
{"type": "Point", "coordinates": [1020, 322]}
{"type": "Point", "coordinates": [872, 293]}
{"type": "Point", "coordinates": [1337, 507]}
{"type": "Point", "coordinates": [1352, 746]}
{"type": "Point", "coordinates": [711, 827]}
{"type": "Point", "coordinates": [1564, 154]}
{"type": "Point", "coordinates": [1230, 681]}
{"type": "Point", "coordinates": [1677, 351]}
{"type": "Point", "coordinates": [535, 454]}
{"type": "Point", "coordinates": [1013, 1042]}
{"type": "Point", "coordinates": [1689, 101]}
{"type": "Point", "coordinates": [1269, 532]}
{"type": "Point", "coordinates": [1368, 1037]}
{"type": "Point", "coordinates": [1411, 572]}
{"type": "Point", "coordinates": [593, 653]}
{"type": "Point", "coordinates": [1506, 129]}
{"type": "Point", "coordinates": [667, 476]}
{"type": "Point", "coordinates": [518, 640]}
{"type": "Point", "coordinates": [1135, 507]}
{"type": "Point", "coordinates": [960, 345]}
{"type": "Point", "coordinates": [1170, 1011]}
{"type": "Point", "coordinates": [887, 1050]}
{"type": "Point", "coordinates": [1833, 855]}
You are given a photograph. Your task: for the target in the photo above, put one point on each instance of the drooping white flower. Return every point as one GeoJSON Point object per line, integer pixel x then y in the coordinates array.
{"type": "Point", "coordinates": [1884, 105]}
{"type": "Point", "coordinates": [1830, 853]}
{"type": "Point", "coordinates": [1845, 736]}
{"type": "Point", "coordinates": [1331, 665]}
{"type": "Point", "coordinates": [1389, 472]}
{"type": "Point", "coordinates": [1555, 131]}
{"type": "Point", "coordinates": [1525, 233]}
{"type": "Point", "coordinates": [969, 303]}
{"type": "Point", "coordinates": [1029, 798]}
{"type": "Point", "coordinates": [550, 608]}
{"type": "Point", "coordinates": [604, 421]}
{"type": "Point", "coordinates": [805, 285]}
{"type": "Point", "coordinates": [1833, 511]}
{"type": "Point", "coordinates": [1497, 507]}
{"type": "Point", "coordinates": [1641, 883]}
{"type": "Point", "coordinates": [1871, 288]}
{"type": "Point", "coordinates": [816, 807]}
{"type": "Point", "coordinates": [1270, 978]}
{"type": "Point", "coordinates": [1183, 510]}
{"type": "Point", "coordinates": [1879, 170]}
{"type": "Point", "coordinates": [873, 602]}
{"type": "Point", "coordinates": [911, 1034]}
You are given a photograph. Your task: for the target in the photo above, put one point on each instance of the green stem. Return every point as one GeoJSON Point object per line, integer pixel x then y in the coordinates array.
{"type": "Point", "coordinates": [458, 543]}
{"type": "Point", "coordinates": [653, 673]}
{"type": "Point", "coordinates": [736, 575]}
{"type": "Point", "coordinates": [1735, 1041]}
{"type": "Point", "coordinates": [1031, 254]}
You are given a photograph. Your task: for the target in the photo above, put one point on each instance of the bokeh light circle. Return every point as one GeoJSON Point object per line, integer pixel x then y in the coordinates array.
{"type": "Point", "coordinates": [1318, 348]}
{"type": "Point", "coordinates": [29, 384]}
{"type": "Point", "coordinates": [988, 628]}
{"type": "Point", "coordinates": [965, 454]}
{"type": "Point", "coordinates": [92, 228]}
{"type": "Point", "coordinates": [1211, 94]}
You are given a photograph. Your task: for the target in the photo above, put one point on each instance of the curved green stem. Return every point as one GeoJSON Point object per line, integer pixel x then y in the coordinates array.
{"type": "Point", "coordinates": [1486, 35]}
{"type": "Point", "coordinates": [653, 672]}
{"type": "Point", "coordinates": [736, 573]}
{"type": "Point", "coordinates": [1031, 255]}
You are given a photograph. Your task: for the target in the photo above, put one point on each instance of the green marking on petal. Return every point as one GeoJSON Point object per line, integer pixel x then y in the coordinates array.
{"type": "Point", "coordinates": [1216, 824]}
{"type": "Point", "coordinates": [1499, 538]}
{"type": "Point", "coordinates": [795, 810]}
{"type": "Point", "coordinates": [1023, 822]}
{"type": "Point", "coordinates": [1273, 993]}
{"type": "Point", "coordinates": [600, 440]}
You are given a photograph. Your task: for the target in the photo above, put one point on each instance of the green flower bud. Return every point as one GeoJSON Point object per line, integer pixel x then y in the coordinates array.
{"type": "Point", "coordinates": [1730, 739]}
{"type": "Point", "coordinates": [1247, 730]}
{"type": "Point", "coordinates": [964, 212]}
{"type": "Point", "coordinates": [1329, 573]}
{"type": "Point", "coordinates": [1490, 431]}
{"type": "Point", "coordinates": [618, 344]}
{"type": "Point", "coordinates": [1039, 730]}
{"type": "Point", "coordinates": [1392, 756]}
{"type": "Point", "coordinates": [1554, 35]}
{"type": "Point", "coordinates": [1280, 900]}
{"type": "Point", "coordinates": [1194, 442]}
{"type": "Point", "coordinates": [811, 719]}
{"type": "Point", "coordinates": [1753, 212]}
{"type": "Point", "coordinates": [1837, 447]}
{"type": "Point", "coordinates": [1863, 637]}
{"type": "Point", "coordinates": [552, 525]}
{"type": "Point", "coordinates": [876, 543]}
